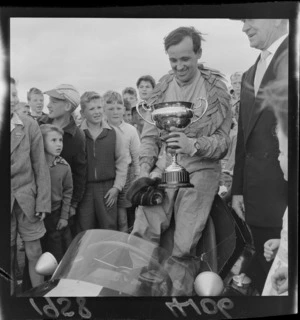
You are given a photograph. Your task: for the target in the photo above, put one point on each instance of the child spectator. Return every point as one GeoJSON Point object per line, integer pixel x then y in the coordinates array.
{"type": "Point", "coordinates": [61, 191]}
{"type": "Point", "coordinates": [30, 187]}
{"type": "Point", "coordinates": [145, 85]}
{"type": "Point", "coordinates": [35, 100]}
{"type": "Point", "coordinates": [130, 95]}
{"type": "Point", "coordinates": [127, 114]}
{"type": "Point", "coordinates": [22, 108]}
{"type": "Point", "coordinates": [107, 167]}
{"type": "Point", "coordinates": [236, 80]}
{"type": "Point", "coordinates": [64, 99]}
{"type": "Point", "coordinates": [137, 121]}
{"type": "Point", "coordinates": [114, 111]}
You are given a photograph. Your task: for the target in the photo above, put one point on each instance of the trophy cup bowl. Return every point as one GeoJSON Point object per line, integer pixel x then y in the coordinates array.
{"type": "Point", "coordinates": [176, 114]}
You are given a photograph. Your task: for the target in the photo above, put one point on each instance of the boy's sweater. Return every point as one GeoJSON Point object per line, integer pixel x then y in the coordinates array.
{"type": "Point", "coordinates": [61, 186]}
{"type": "Point", "coordinates": [74, 153]}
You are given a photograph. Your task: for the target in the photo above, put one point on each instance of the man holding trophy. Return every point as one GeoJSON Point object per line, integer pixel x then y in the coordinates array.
{"type": "Point", "coordinates": [196, 145]}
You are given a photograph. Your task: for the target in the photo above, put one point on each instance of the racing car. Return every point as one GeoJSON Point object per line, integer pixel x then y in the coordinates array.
{"type": "Point", "coordinates": [112, 263]}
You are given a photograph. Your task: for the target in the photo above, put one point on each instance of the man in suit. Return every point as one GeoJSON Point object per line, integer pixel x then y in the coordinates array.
{"type": "Point", "coordinates": [259, 189]}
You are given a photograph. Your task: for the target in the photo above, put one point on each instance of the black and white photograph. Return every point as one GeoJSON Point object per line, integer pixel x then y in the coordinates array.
{"type": "Point", "coordinates": [153, 169]}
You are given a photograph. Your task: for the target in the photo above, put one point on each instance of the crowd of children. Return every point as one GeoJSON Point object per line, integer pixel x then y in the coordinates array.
{"type": "Point", "coordinates": [62, 182]}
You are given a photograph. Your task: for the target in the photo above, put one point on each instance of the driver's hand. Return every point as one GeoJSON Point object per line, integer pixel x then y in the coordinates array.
{"type": "Point", "coordinates": [179, 141]}
{"type": "Point", "coordinates": [111, 197]}
{"type": "Point", "coordinates": [155, 174]}
{"type": "Point", "coordinates": [238, 206]}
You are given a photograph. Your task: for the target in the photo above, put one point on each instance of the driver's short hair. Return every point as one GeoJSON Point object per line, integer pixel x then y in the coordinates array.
{"type": "Point", "coordinates": [177, 35]}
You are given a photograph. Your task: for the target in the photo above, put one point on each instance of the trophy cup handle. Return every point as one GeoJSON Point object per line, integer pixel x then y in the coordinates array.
{"type": "Point", "coordinates": [146, 109]}
{"type": "Point", "coordinates": [199, 105]}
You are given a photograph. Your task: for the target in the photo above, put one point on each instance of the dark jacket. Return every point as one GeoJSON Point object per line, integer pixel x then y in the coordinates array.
{"type": "Point", "coordinates": [257, 173]}
{"type": "Point", "coordinates": [101, 156]}
{"type": "Point", "coordinates": [74, 153]}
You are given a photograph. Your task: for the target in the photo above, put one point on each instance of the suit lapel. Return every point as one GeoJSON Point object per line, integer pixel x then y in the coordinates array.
{"type": "Point", "coordinates": [17, 135]}
{"type": "Point", "coordinates": [248, 97]}
{"type": "Point", "coordinates": [269, 75]}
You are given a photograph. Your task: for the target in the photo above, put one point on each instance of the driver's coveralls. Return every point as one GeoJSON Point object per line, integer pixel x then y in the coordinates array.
{"type": "Point", "coordinates": [192, 205]}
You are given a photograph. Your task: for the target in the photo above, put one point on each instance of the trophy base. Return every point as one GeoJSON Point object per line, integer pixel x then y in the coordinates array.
{"type": "Point", "coordinates": [175, 179]}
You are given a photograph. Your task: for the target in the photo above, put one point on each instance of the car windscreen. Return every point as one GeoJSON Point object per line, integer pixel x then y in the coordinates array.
{"type": "Point", "coordinates": [117, 261]}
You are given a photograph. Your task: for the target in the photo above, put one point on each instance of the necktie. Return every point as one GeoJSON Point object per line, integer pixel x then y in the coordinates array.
{"type": "Point", "coordinates": [260, 70]}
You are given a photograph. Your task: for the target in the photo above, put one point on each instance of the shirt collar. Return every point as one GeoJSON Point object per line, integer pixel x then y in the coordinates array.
{"type": "Point", "coordinates": [57, 160]}
{"type": "Point", "coordinates": [104, 124]}
{"type": "Point", "coordinates": [14, 121]}
{"type": "Point", "coordinates": [121, 126]}
{"type": "Point", "coordinates": [275, 45]}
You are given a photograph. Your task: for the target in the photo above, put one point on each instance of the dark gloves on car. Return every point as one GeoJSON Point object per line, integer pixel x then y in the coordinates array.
{"type": "Point", "coordinates": [145, 192]}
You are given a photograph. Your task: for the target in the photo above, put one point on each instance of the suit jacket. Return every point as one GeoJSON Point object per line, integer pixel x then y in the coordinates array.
{"type": "Point", "coordinates": [30, 177]}
{"type": "Point", "coordinates": [257, 173]}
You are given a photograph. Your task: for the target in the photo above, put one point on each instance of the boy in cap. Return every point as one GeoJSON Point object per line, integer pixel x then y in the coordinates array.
{"type": "Point", "coordinates": [64, 99]}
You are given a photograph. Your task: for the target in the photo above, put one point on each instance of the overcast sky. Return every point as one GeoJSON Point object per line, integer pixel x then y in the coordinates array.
{"type": "Point", "coordinates": [112, 53]}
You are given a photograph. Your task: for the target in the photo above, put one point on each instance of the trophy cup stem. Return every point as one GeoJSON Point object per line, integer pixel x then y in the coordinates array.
{"type": "Point", "coordinates": [174, 159]}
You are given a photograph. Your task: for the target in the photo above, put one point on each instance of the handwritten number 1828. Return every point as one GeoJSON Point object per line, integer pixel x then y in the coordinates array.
{"type": "Point", "coordinates": [51, 311]}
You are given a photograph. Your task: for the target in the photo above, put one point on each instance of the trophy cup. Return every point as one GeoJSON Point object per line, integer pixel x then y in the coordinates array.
{"type": "Point", "coordinates": [177, 114]}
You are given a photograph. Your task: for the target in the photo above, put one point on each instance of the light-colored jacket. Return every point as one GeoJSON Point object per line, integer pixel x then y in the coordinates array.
{"type": "Point", "coordinates": [30, 177]}
{"type": "Point", "coordinates": [211, 132]}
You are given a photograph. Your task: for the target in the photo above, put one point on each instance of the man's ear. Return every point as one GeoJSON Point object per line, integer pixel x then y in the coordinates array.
{"type": "Point", "coordinates": [69, 106]}
{"type": "Point", "coordinates": [199, 53]}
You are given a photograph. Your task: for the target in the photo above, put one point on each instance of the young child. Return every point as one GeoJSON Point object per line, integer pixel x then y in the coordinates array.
{"type": "Point", "coordinates": [137, 120]}
{"type": "Point", "coordinates": [145, 86]}
{"type": "Point", "coordinates": [64, 99]}
{"type": "Point", "coordinates": [35, 100]}
{"type": "Point", "coordinates": [130, 95]}
{"type": "Point", "coordinates": [61, 191]}
{"type": "Point", "coordinates": [107, 167]}
{"type": "Point", "coordinates": [114, 111]}
{"type": "Point", "coordinates": [22, 108]}
{"type": "Point", "coordinates": [30, 187]}
{"type": "Point", "coordinates": [127, 117]}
